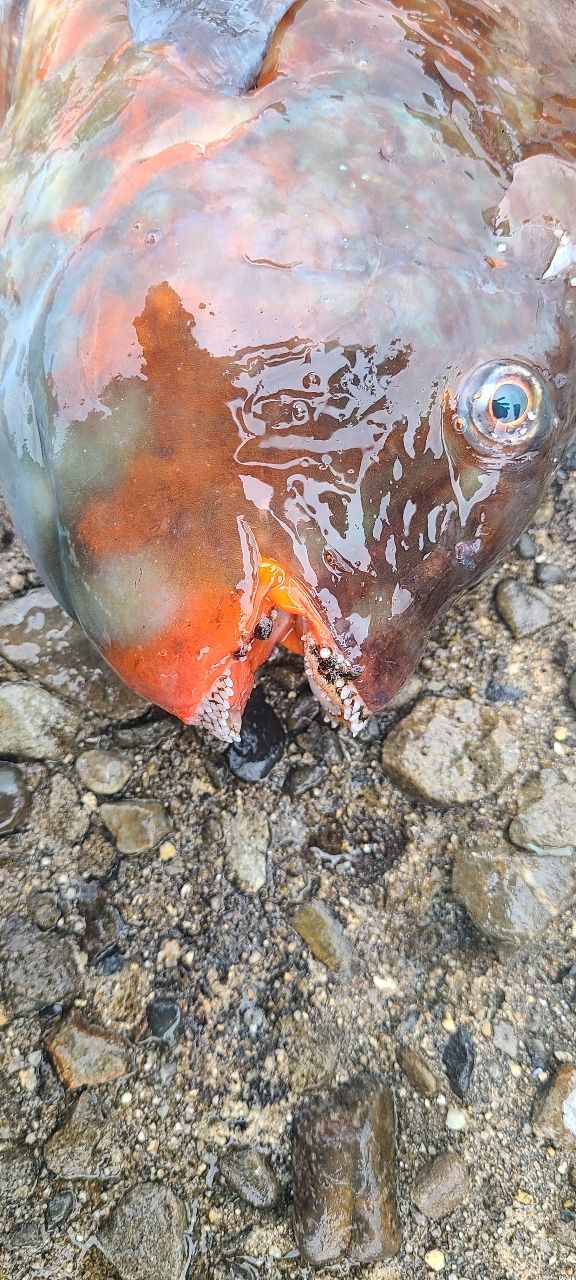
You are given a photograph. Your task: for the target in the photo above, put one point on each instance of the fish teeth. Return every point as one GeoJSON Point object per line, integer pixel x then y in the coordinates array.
{"type": "Point", "coordinates": [214, 711]}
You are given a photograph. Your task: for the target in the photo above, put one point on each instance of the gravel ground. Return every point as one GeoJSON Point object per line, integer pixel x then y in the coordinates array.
{"type": "Point", "coordinates": [188, 960]}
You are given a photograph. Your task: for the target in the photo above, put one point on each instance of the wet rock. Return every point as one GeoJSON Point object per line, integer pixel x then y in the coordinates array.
{"type": "Point", "coordinates": [323, 933]}
{"type": "Point", "coordinates": [44, 909]}
{"type": "Point", "coordinates": [546, 819]}
{"type": "Point", "coordinates": [246, 840]}
{"type": "Point", "coordinates": [36, 969]}
{"type": "Point", "coordinates": [554, 1115]}
{"type": "Point", "coordinates": [164, 1019]}
{"type": "Point", "coordinates": [550, 575]}
{"type": "Point", "coordinates": [59, 1209]}
{"type": "Point", "coordinates": [523, 608]}
{"type": "Point", "coordinates": [18, 1173]}
{"type": "Point", "coordinates": [136, 825]}
{"type": "Point", "coordinates": [417, 1071]}
{"type": "Point", "coordinates": [459, 1057]}
{"type": "Point", "coordinates": [261, 741]}
{"type": "Point", "coordinates": [505, 1038]}
{"type": "Point", "coordinates": [303, 711]}
{"type": "Point", "coordinates": [85, 1054]}
{"type": "Point", "coordinates": [526, 547]}
{"type": "Point", "coordinates": [304, 778]}
{"type": "Point", "coordinates": [511, 895]}
{"type": "Point", "coordinates": [144, 1235]}
{"type": "Point", "coordinates": [84, 1144]}
{"type": "Point", "coordinates": [452, 751]}
{"type": "Point", "coordinates": [103, 772]}
{"type": "Point", "coordinates": [344, 1175]}
{"type": "Point", "coordinates": [442, 1186]}
{"type": "Point", "coordinates": [14, 798]}
{"type": "Point", "coordinates": [247, 1171]}
{"type": "Point", "coordinates": [37, 637]}
{"type": "Point", "coordinates": [34, 724]}
{"type": "Point", "coordinates": [104, 924]}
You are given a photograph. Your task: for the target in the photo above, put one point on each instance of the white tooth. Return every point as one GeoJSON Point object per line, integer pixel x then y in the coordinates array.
{"type": "Point", "coordinates": [325, 653]}
{"type": "Point", "coordinates": [339, 683]}
{"type": "Point", "coordinates": [346, 692]}
{"type": "Point", "coordinates": [347, 712]}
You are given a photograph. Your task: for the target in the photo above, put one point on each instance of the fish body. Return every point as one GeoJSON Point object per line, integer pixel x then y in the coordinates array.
{"type": "Point", "coordinates": [287, 323]}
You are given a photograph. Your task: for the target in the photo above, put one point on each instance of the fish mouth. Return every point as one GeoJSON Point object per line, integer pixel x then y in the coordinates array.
{"type": "Point", "coordinates": [284, 613]}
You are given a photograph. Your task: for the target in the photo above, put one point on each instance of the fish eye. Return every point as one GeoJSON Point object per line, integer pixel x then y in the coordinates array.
{"type": "Point", "coordinates": [505, 405]}
{"type": "Point", "coordinates": [300, 411]}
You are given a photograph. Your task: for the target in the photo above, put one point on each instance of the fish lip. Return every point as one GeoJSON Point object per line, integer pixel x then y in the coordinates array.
{"type": "Point", "coordinates": [330, 675]}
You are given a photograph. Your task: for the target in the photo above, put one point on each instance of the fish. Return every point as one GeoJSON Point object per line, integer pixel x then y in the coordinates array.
{"type": "Point", "coordinates": [287, 324]}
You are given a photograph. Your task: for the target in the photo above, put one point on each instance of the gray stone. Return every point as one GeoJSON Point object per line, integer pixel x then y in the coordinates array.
{"type": "Point", "coordinates": [43, 909]}
{"type": "Point", "coordinates": [103, 772]}
{"type": "Point", "coordinates": [550, 575]}
{"type": "Point", "coordinates": [36, 969]}
{"type": "Point", "coordinates": [144, 1236]}
{"type": "Point", "coordinates": [136, 825]}
{"type": "Point", "coordinates": [84, 1144]}
{"type": "Point", "coordinates": [452, 751]}
{"type": "Point", "coordinates": [246, 840]}
{"type": "Point", "coordinates": [344, 1175]}
{"type": "Point", "coordinates": [505, 1038]}
{"type": "Point", "coordinates": [526, 547]}
{"type": "Point", "coordinates": [417, 1071]}
{"type": "Point", "coordinates": [546, 819]}
{"type": "Point", "coordinates": [524, 608]}
{"type": "Point", "coordinates": [247, 1171]}
{"type": "Point", "coordinates": [34, 724]}
{"type": "Point", "coordinates": [442, 1186]}
{"type": "Point", "coordinates": [37, 637]}
{"type": "Point", "coordinates": [554, 1115]}
{"type": "Point", "coordinates": [511, 895]}
{"type": "Point", "coordinates": [323, 933]}
{"type": "Point", "coordinates": [59, 1208]}
{"type": "Point", "coordinates": [85, 1054]}
{"type": "Point", "coordinates": [18, 1172]}
{"type": "Point", "coordinates": [14, 798]}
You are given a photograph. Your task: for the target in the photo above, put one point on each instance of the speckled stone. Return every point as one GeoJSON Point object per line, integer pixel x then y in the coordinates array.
{"type": "Point", "coordinates": [323, 933]}
{"type": "Point", "coordinates": [246, 840]}
{"type": "Point", "coordinates": [14, 797]}
{"type": "Point", "coordinates": [442, 1186]}
{"type": "Point", "coordinates": [247, 1171]}
{"type": "Point", "coordinates": [85, 1054]}
{"type": "Point", "coordinates": [554, 1114]}
{"type": "Point", "coordinates": [524, 609]}
{"type": "Point", "coordinates": [136, 825]}
{"type": "Point", "coordinates": [34, 724]}
{"type": "Point", "coordinates": [452, 751]}
{"type": "Point", "coordinates": [144, 1236]}
{"type": "Point", "coordinates": [36, 969]}
{"type": "Point", "coordinates": [103, 772]}
{"type": "Point", "coordinates": [546, 819]}
{"type": "Point", "coordinates": [84, 1144]}
{"type": "Point", "coordinates": [511, 895]}
{"type": "Point", "coordinates": [18, 1173]}
{"type": "Point", "coordinates": [344, 1175]}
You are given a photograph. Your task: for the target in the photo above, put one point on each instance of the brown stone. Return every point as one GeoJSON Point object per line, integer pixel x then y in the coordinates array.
{"type": "Point", "coordinates": [84, 1054]}
{"type": "Point", "coordinates": [554, 1115]}
{"type": "Point", "coordinates": [417, 1071]}
{"type": "Point", "coordinates": [442, 1186]}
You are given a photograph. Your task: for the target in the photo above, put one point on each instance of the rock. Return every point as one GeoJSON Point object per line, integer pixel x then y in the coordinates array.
{"type": "Point", "coordinates": [344, 1175]}
{"type": "Point", "coordinates": [526, 547]}
{"type": "Point", "coordinates": [18, 1173]}
{"type": "Point", "coordinates": [85, 1054]}
{"type": "Point", "coordinates": [554, 1114]}
{"type": "Point", "coordinates": [36, 969]}
{"type": "Point", "coordinates": [103, 772]}
{"type": "Point", "coordinates": [546, 819]}
{"type": "Point", "coordinates": [523, 608]}
{"type": "Point", "coordinates": [550, 575]}
{"type": "Point", "coordinates": [452, 751]}
{"type": "Point", "coordinates": [68, 820]}
{"type": "Point", "coordinates": [144, 1236]}
{"type": "Point", "coordinates": [304, 778]}
{"type": "Point", "coordinates": [34, 724]}
{"type": "Point", "coordinates": [495, 692]}
{"type": "Point", "coordinates": [246, 841]}
{"type": "Point", "coordinates": [459, 1057]}
{"type": "Point", "coordinates": [303, 711]}
{"type": "Point", "coordinates": [323, 933]}
{"type": "Point", "coordinates": [40, 639]}
{"type": "Point", "coordinates": [164, 1018]}
{"type": "Point", "coordinates": [247, 1171]}
{"type": "Point", "coordinates": [435, 1260]}
{"type": "Point", "coordinates": [59, 1209]}
{"type": "Point", "coordinates": [136, 825]}
{"type": "Point", "coordinates": [511, 896]}
{"type": "Point", "coordinates": [505, 1039]}
{"type": "Point", "coordinates": [104, 924]}
{"type": "Point", "coordinates": [456, 1120]}
{"type": "Point", "coordinates": [84, 1144]}
{"type": "Point", "coordinates": [442, 1186]}
{"type": "Point", "coordinates": [417, 1071]}
{"type": "Point", "coordinates": [261, 741]}
{"type": "Point", "coordinates": [44, 909]}
{"type": "Point", "coordinates": [14, 798]}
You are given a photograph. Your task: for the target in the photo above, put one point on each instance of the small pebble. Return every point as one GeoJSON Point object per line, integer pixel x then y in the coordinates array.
{"type": "Point", "coordinates": [435, 1260]}
{"type": "Point", "coordinates": [247, 1171]}
{"type": "Point", "coordinates": [459, 1057]}
{"type": "Point", "coordinates": [417, 1071]}
{"type": "Point", "coordinates": [164, 1018]}
{"type": "Point", "coordinates": [526, 547]}
{"type": "Point", "coordinates": [261, 741]}
{"type": "Point", "coordinates": [103, 772]}
{"type": "Point", "coordinates": [323, 933]}
{"type": "Point", "coordinates": [136, 825]}
{"type": "Point", "coordinates": [523, 608]}
{"type": "Point", "coordinates": [14, 797]}
{"type": "Point", "coordinates": [442, 1186]}
{"type": "Point", "coordinates": [456, 1120]}
{"type": "Point", "coordinates": [550, 575]}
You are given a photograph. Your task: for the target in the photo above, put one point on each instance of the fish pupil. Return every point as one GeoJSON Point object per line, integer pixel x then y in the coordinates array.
{"type": "Point", "coordinates": [510, 403]}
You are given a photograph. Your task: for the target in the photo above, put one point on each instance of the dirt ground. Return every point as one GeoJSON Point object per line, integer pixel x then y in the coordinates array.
{"type": "Point", "coordinates": [264, 1023]}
